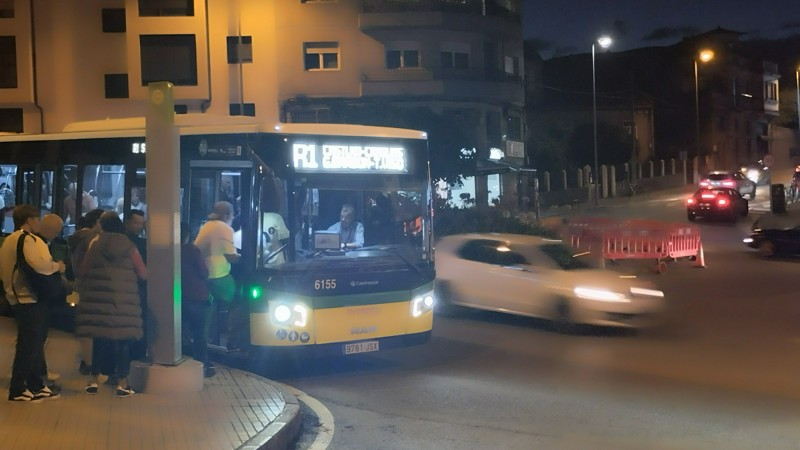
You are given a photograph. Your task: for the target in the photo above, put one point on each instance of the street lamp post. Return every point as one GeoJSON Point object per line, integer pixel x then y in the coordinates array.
{"type": "Point", "coordinates": [797, 85]}
{"type": "Point", "coordinates": [705, 56]}
{"type": "Point", "coordinates": [604, 42]}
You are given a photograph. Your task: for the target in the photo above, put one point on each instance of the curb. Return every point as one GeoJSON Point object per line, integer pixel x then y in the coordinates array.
{"type": "Point", "coordinates": [283, 431]}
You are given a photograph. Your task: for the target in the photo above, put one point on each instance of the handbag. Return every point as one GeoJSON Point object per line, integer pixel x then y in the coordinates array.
{"type": "Point", "coordinates": [46, 288]}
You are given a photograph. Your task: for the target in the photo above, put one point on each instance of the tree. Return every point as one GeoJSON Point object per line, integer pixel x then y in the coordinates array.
{"type": "Point", "coordinates": [613, 145]}
{"type": "Point", "coordinates": [788, 108]}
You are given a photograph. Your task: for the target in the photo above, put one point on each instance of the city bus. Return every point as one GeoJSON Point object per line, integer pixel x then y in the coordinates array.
{"type": "Point", "coordinates": [304, 291]}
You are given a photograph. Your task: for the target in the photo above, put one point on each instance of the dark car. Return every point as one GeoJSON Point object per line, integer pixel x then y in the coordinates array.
{"type": "Point", "coordinates": [733, 180]}
{"type": "Point", "coordinates": [719, 203]}
{"type": "Point", "coordinates": [776, 234]}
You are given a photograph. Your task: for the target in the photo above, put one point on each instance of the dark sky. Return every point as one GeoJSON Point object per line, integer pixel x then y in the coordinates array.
{"type": "Point", "coordinates": [563, 27]}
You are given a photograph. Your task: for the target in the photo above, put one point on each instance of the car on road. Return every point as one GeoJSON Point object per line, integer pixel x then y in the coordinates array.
{"type": "Point", "coordinates": [539, 277]}
{"type": "Point", "coordinates": [776, 234]}
{"type": "Point", "coordinates": [719, 203]}
{"type": "Point", "coordinates": [733, 180]}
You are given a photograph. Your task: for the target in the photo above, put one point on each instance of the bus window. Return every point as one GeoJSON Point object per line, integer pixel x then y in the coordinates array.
{"type": "Point", "coordinates": [46, 197]}
{"type": "Point", "coordinates": [273, 235]}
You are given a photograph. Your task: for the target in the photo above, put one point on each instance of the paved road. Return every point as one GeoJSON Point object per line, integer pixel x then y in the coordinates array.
{"type": "Point", "coordinates": [723, 374]}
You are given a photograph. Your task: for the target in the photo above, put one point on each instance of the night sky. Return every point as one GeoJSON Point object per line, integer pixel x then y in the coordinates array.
{"type": "Point", "coordinates": [563, 27]}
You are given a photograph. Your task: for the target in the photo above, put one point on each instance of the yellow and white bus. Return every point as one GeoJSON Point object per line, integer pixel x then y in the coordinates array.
{"type": "Point", "coordinates": [287, 184]}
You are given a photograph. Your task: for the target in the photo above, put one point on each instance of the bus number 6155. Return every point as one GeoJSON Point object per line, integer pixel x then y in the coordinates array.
{"type": "Point", "coordinates": [329, 283]}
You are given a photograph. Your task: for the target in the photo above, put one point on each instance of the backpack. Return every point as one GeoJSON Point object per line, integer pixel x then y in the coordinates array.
{"type": "Point", "coordinates": [46, 288]}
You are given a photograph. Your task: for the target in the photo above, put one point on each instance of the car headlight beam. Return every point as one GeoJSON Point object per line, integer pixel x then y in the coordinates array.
{"type": "Point", "coordinates": [601, 295]}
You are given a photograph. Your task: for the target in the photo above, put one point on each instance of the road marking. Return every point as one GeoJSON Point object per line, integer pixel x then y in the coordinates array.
{"type": "Point", "coordinates": [326, 422]}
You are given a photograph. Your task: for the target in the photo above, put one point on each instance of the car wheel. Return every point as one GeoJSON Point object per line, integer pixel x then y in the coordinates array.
{"type": "Point", "coordinates": [691, 216]}
{"type": "Point", "coordinates": [445, 299]}
{"type": "Point", "coordinates": [563, 317]}
{"type": "Point", "coordinates": [767, 249]}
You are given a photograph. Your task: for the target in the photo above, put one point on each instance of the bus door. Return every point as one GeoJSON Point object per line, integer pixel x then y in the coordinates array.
{"type": "Point", "coordinates": [231, 181]}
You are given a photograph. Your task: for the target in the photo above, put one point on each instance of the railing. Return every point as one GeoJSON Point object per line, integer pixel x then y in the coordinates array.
{"type": "Point", "coordinates": [509, 9]}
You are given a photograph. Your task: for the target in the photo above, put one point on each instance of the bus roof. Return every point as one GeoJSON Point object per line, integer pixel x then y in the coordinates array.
{"type": "Point", "coordinates": [195, 124]}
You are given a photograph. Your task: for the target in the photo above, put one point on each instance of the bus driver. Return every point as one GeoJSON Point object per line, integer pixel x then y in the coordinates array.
{"type": "Point", "coordinates": [351, 233]}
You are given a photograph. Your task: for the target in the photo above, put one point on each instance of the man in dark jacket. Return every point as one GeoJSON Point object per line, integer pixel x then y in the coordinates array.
{"type": "Point", "coordinates": [195, 304]}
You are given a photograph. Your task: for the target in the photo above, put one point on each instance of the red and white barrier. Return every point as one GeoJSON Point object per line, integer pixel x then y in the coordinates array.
{"type": "Point", "coordinates": [636, 239]}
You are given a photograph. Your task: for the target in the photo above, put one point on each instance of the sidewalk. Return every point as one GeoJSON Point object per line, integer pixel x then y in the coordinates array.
{"type": "Point", "coordinates": [235, 410]}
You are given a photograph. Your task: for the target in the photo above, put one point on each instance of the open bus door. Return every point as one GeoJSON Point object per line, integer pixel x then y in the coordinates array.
{"type": "Point", "coordinates": [210, 182]}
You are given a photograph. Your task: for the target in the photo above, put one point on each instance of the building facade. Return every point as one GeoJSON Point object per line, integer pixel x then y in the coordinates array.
{"type": "Point", "coordinates": [289, 60]}
{"type": "Point", "coordinates": [722, 113]}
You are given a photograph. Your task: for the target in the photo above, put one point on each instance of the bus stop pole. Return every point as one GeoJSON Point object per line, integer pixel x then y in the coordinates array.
{"type": "Point", "coordinates": [167, 371]}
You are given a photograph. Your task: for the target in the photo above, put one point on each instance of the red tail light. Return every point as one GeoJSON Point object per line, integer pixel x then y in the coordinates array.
{"type": "Point", "coordinates": [722, 201]}
{"type": "Point", "coordinates": [690, 201]}
{"type": "Point", "coordinates": [728, 183]}
{"type": "Point", "coordinates": [704, 183]}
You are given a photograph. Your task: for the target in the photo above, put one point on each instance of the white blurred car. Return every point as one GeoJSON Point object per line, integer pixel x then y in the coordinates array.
{"type": "Point", "coordinates": [539, 277]}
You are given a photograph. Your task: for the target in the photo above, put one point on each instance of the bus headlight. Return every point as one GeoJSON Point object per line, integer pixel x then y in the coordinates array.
{"type": "Point", "coordinates": [421, 304]}
{"type": "Point", "coordinates": [296, 314]}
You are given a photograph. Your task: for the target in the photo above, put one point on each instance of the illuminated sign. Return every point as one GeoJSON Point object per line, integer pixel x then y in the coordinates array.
{"type": "Point", "coordinates": [139, 147]}
{"type": "Point", "coordinates": [348, 158]}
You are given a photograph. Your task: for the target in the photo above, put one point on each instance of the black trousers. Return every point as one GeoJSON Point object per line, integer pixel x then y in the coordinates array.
{"type": "Point", "coordinates": [111, 357]}
{"type": "Point", "coordinates": [31, 321]}
{"type": "Point", "coordinates": [197, 317]}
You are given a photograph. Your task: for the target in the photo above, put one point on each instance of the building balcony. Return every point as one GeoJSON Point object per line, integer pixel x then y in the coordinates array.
{"type": "Point", "coordinates": [372, 21]}
{"type": "Point", "coordinates": [440, 82]}
{"type": "Point", "coordinates": [510, 10]}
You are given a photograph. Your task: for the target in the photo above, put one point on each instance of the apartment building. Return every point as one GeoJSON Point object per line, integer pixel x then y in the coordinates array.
{"type": "Point", "coordinates": [63, 61]}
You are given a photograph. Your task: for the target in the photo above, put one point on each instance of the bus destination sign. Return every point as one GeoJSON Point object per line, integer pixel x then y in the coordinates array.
{"type": "Point", "coordinates": [349, 158]}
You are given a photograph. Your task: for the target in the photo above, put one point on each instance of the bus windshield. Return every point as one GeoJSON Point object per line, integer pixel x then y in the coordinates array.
{"type": "Point", "coordinates": [328, 224]}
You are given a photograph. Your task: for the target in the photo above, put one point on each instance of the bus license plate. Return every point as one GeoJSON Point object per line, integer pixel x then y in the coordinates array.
{"type": "Point", "coordinates": [361, 347]}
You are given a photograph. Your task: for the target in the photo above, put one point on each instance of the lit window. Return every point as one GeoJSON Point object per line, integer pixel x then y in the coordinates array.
{"type": "Point", "coordinates": [511, 65]}
{"type": "Point", "coordinates": [321, 55]}
{"type": "Point", "coordinates": [771, 91]}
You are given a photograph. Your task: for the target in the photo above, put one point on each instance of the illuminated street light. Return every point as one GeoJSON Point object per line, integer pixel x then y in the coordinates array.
{"type": "Point", "coordinates": [604, 42]}
{"type": "Point", "coordinates": [704, 56]}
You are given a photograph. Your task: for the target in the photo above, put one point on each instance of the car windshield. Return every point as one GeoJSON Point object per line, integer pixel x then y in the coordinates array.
{"type": "Point", "coordinates": [565, 256]}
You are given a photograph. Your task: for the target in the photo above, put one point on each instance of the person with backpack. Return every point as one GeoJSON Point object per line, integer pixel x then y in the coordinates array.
{"type": "Point", "coordinates": [30, 311]}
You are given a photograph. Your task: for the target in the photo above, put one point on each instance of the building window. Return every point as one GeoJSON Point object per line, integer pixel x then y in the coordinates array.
{"type": "Point", "coordinates": [169, 57]}
{"type": "Point", "coordinates": [455, 60]}
{"type": "Point", "coordinates": [6, 9]}
{"type": "Point", "coordinates": [511, 66]}
{"type": "Point", "coordinates": [116, 85]}
{"type": "Point", "coordinates": [771, 91]}
{"type": "Point", "coordinates": [514, 131]}
{"type": "Point", "coordinates": [8, 62]}
{"type": "Point", "coordinates": [166, 8]}
{"type": "Point", "coordinates": [493, 131]}
{"type": "Point", "coordinates": [242, 109]}
{"type": "Point", "coordinates": [240, 49]}
{"type": "Point", "coordinates": [321, 55]}
{"type": "Point", "coordinates": [455, 55]}
{"type": "Point", "coordinates": [11, 120]}
{"type": "Point", "coordinates": [114, 20]}
{"type": "Point", "coordinates": [401, 59]}
{"type": "Point", "coordinates": [181, 109]}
